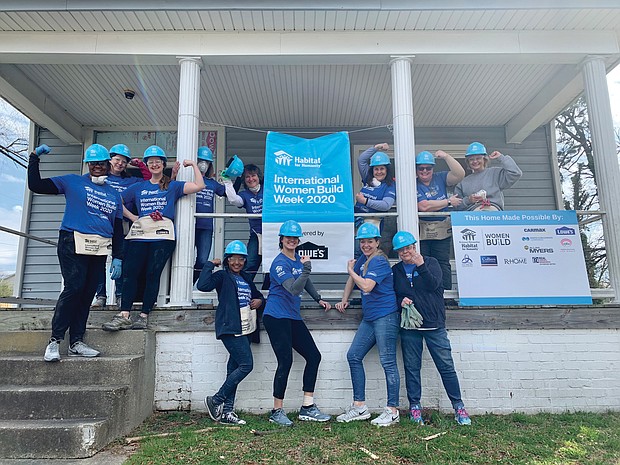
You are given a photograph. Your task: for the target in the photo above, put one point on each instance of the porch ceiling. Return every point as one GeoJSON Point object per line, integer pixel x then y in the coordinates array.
{"type": "Point", "coordinates": [65, 64]}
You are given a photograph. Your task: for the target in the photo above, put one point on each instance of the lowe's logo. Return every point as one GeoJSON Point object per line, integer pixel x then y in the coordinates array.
{"type": "Point", "coordinates": [565, 231]}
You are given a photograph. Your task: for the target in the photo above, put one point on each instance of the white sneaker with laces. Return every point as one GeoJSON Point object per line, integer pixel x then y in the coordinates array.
{"type": "Point", "coordinates": [353, 413]}
{"type": "Point", "coordinates": [52, 351]}
{"type": "Point", "coordinates": [387, 418]}
{"type": "Point", "coordinates": [80, 349]}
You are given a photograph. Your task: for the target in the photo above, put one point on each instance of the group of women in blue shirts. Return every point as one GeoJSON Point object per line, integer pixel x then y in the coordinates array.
{"type": "Point", "coordinates": [95, 208]}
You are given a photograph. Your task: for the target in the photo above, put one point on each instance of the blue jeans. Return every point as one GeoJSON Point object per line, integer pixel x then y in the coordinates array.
{"type": "Point", "coordinates": [384, 333]}
{"type": "Point", "coordinates": [203, 249]}
{"type": "Point", "coordinates": [438, 345]}
{"type": "Point", "coordinates": [240, 364]}
{"type": "Point", "coordinates": [441, 251]}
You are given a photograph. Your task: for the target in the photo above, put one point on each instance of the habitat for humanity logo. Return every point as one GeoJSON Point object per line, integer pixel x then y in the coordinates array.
{"type": "Point", "coordinates": [468, 239]}
{"type": "Point", "coordinates": [285, 159]}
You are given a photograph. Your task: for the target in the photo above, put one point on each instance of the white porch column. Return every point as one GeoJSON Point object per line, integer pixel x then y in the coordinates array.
{"type": "Point", "coordinates": [404, 146]}
{"type": "Point", "coordinates": [181, 279]}
{"type": "Point", "coordinates": [605, 161]}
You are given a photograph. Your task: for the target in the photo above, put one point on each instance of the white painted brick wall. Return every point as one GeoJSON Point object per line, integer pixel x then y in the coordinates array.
{"type": "Point", "coordinates": [499, 371]}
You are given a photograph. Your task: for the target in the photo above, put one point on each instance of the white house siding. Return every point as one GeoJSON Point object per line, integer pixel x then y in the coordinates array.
{"type": "Point", "coordinates": [534, 191]}
{"type": "Point", "coordinates": [500, 371]}
{"type": "Point", "coordinates": [41, 278]}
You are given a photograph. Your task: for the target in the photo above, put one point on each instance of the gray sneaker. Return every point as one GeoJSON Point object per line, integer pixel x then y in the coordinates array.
{"type": "Point", "coordinates": [387, 418]}
{"type": "Point", "coordinates": [140, 322]}
{"type": "Point", "coordinates": [52, 351]}
{"type": "Point", "coordinates": [312, 413]}
{"type": "Point", "coordinates": [231, 418]}
{"type": "Point", "coordinates": [118, 301]}
{"type": "Point", "coordinates": [215, 410]}
{"type": "Point", "coordinates": [100, 301]}
{"type": "Point", "coordinates": [353, 413]}
{"type": "Point", "coordinates": [279, 417]}
{"type": "Point", "coordinates": [117, 323]}
{"type": "Point", "coordinates": [80, 349]}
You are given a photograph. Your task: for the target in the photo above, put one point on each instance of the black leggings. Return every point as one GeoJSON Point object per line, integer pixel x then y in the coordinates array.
{"type": "Point", "coordinates": [285, 335]}
{"type": "Point", "coordinates": [144, 259]}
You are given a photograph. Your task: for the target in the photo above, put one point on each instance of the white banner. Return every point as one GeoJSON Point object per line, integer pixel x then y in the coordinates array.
{"type": "Point", "coordinates": [519, 258]}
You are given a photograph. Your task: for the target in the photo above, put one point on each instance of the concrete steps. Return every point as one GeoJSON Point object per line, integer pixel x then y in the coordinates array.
{"type": "Point", "coordinates": [72, 408]}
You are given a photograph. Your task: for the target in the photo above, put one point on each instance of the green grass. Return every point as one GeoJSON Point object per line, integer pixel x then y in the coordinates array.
{"type": "Point", "coordinates": [543, 439]}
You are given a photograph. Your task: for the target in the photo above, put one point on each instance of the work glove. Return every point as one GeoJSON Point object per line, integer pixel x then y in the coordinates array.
{"type": "Point", "coordinates": [116, 268]}
{"type": "Point", "coordinates": [42, 150]}
{"type": "Point", "coordinates": [410, 317]}
{"type": "Point", "coordinates": [156, 216]}
{"type": "Point", "coordinates": [224, 178]}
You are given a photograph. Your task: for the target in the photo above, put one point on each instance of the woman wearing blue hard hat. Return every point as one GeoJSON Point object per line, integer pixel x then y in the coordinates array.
{"type": "Point", "coordinates": [371, 273]}
{"type": "Point", "coordinates": [482, 189]}
{"type": "Point", "coordinates": [433, 196]}
{"type": "Point", "coordinates": [290, 275]}
{"type": "Point", "coordinates": [205, 203]}
{"type": "Point", "coordinates": [417, 282]}
{"type": "Point", "coordinates": [235, 320]}
{"type": "Point", "coordinates": [91, 227]}
{"type": "Point", "coordinates": [250, 198]}
{"type": "Point", "coordinates": [378, 192]}
{"type": "Point", "coordinates": [152, 237]}
{"type": "Point", "coordinates": [119, 179]}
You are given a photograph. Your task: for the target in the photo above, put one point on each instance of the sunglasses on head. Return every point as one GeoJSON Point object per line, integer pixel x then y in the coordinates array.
{"type": "Point", "coordinates": [425, 168]}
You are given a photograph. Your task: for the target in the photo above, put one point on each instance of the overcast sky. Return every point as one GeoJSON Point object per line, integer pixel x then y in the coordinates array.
{"type": "Point", "coordinates": [12, 177]}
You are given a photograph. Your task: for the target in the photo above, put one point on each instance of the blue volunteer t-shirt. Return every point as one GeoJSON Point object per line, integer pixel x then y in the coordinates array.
{"type": "Point", "coordinates": [253, 203]}
{"type": "Point", "coordinates": [204, 202]}
{"type": "Point", "coordinates": [244, 293]}
{"type": "Point", "coordinates": [410, 271]}
{"type": "Point", "coordinates": [281, 303]}
{"type": "Point", "coordinates": [90, 208]}
{"type": "Point", "coordinates": [121, 184]}
{"type": "Point", "coordinates": [381, 301]}
{"type": "Point", "coordinates": [375, 193]}
{"type": "Point", "coordinates": [147, 197]}
{"type": "Point", "coordinates": [436, 190]}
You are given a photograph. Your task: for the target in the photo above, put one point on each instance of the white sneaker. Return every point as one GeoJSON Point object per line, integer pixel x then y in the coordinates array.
{"type": "Point", "coordinates": [100, 301]}
{"type": "Point", "coordinates": [353, 413]}
{"type": "Point", "coordinates": [387, 418]}
{"type": "Point", "coordinates": [80, 349]}
{"type": "Point", "coordinates": [52, 351]}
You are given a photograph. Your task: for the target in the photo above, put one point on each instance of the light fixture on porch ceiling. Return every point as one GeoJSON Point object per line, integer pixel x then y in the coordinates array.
{"type": "Point", "coordinates": [129, 94]}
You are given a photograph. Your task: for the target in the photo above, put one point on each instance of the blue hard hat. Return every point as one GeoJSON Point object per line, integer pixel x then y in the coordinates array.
{"type": "Point", "coordinates": [96, 152]}
{"type": "Point", "coordinates": [234, 167]}
{"type": "Point", "coordinates": [476, 148]}
{"type": "Point", "coordinates": [291, 228]}
{"type": "Point", "coordinates": [402, 239]}
{"type": "Point", "coordinates": [205, 153]}
{"type": "Point", "coordinates": [154, 151]}
{"type": "Point", "coordinates": [368, 231]}
{"type": "Point", "coordinates": [236, 248]}
{"type": "Point", "coordinates": [379, 158]}
{"type": "Point", "coordinates": [425, 158]}
{"type": "Point", "coordinates": [120, 149]}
